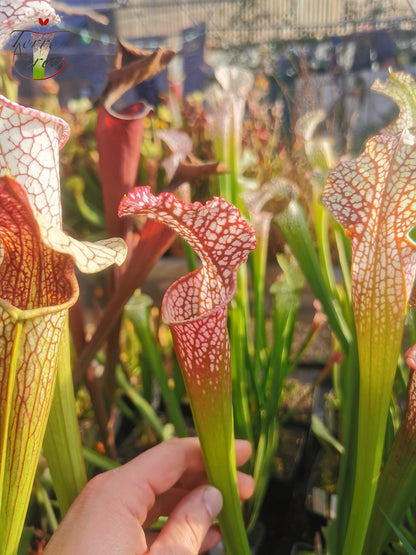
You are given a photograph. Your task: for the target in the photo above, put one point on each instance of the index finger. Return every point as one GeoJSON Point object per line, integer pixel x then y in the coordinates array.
{"type": "Point", "coordinates": [164, 464]}
{"type": "Point", "coordinates": [155, 471]}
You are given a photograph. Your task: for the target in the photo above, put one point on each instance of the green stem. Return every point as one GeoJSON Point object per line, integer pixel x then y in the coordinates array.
{"type": "Point", "coordinates": [140, 403]}
{"type": "Point", "coordinates": [266, 448]}
{"type": "Point", "coordinates": [324, 249]}
{"type": "Point", "coordinates": [98, 460]}
{"type": "Point", "coordinates": [209, 392]}
{"type": "Point", "coordinates": [396, 486]}
{"type": "Point", "coordinates": [137, 311]}
{"type": "Point", "coordinates": [392, 499]}
{"type": "Point", "coordinates": [62, 443]}
{"type": "Point", "coordinates": [225, 186]}
{"type": "Point", "coordinates": [296, 233]}
{"type": "Point", "coordinates": [45, 499]}
{"type": "Point", "coordinates": [286, 299]}
{"type": "Point", "coordinates": [373, 409]}
{"type": "Point", "coordinates": [349, 422]}
{"type": "Point", "coordinates": [215, 431]}
{"type": "Point", "coordinates": [259, 262]}
{"type": "Point", "coordinates": [240, 370]}
{"type": "Point", "coordinates": [344, 256]}
{"type": "Point", "coordinates": [240, 361]}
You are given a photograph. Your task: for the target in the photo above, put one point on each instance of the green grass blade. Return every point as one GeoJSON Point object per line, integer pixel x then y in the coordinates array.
{"type": "Point", "coordinates": [294, 228]}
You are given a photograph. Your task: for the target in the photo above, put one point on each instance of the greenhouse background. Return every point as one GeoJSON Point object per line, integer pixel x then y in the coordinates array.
{"type": "Point", "coordinates": [238, 28]}
{"type": "Point", "coordinates": [307, 54]}
{"type": "Point", "coordinates": [238, 22]}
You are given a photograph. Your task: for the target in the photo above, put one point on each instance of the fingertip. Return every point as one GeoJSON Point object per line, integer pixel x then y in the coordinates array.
{"type": "Point", "coordinates": [243, 450]}
{"type": "Point", "coordinates": [212, 499]}
{"type": "Point", "coordinates": [246, 485]}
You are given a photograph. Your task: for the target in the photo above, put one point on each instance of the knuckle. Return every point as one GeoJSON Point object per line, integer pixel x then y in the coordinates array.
{"type": "Point", "coordinates": [96, 484]}
{"type": "Point", "coordinates": [101, 486]}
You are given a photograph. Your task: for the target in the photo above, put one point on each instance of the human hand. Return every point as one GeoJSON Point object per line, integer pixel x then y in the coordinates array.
{"type": "Point", "coordinates": [112, 513]}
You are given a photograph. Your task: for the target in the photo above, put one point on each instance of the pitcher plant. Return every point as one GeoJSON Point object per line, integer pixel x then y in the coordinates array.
{"type": "Point", "coordinates": [38, 285]}
{"type": "Point", "coordinates": [373, 197]}
{"type": "Point", "coordinates": [195, 307]}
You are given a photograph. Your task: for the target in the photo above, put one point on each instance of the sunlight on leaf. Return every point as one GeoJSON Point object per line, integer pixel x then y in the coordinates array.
{"type": "Point", "coordinates": [131, 67]}
{"type": "Point", "coordinates": [401, 88]}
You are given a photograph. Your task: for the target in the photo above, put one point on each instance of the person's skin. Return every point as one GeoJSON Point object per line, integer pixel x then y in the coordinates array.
{"type": "Point", "coordinates": [112, 513]}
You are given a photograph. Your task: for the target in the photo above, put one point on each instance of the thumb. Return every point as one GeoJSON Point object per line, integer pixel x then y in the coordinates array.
{"type": "Point", "coordinates": [188, 524]}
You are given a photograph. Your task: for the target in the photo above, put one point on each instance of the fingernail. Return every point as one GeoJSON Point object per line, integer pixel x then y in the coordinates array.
{"type": "Point", "coordinates": [213, 500]}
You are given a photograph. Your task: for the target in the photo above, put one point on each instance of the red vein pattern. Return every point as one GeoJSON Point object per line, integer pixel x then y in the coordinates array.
{"type": "Point", "coordinates": [373, 198]}
{"type": "Point", "coordinates": [218, 234]}
{"type": "Point", "coordinates": [37, 285]}
{"type": "Point", "coordinates": [89, 257]}
{"type": "Point", "coordinates": [30, 141]}
{"type": "Point", "coordinates": [195, 306]}
{"type": "Point", "coordinates": [32, 275]}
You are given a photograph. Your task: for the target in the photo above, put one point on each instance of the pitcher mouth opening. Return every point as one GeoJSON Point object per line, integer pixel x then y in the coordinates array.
{"type": "Point", "coordinates": [173, 314]}
{"type": "Point", "coordinates": [66, 296]}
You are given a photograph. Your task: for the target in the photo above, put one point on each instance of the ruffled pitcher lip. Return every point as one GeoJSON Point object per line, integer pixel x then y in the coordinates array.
{"type": "Point", "coordinates": [62, 125]}
{"type": "Point", "coordinates": [220, 237]}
